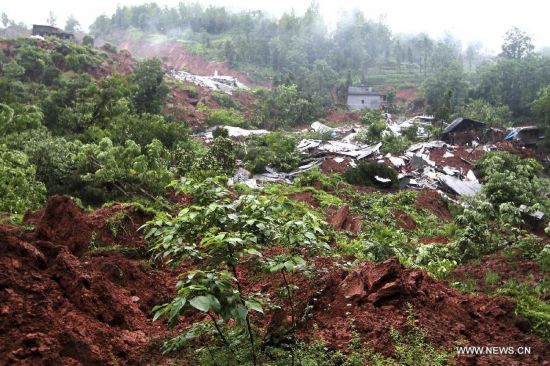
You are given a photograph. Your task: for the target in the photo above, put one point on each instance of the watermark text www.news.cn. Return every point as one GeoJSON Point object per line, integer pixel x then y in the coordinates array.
{"type": "Point", "coordinates": [493, 350]}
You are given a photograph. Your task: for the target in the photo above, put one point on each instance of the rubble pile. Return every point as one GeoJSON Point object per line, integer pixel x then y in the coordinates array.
{"type": "Point", "coordinates": [227, 84]}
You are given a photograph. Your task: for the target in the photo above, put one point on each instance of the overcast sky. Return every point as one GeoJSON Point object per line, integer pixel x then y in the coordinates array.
{"type": "Point", "coordinates": [468, 20]}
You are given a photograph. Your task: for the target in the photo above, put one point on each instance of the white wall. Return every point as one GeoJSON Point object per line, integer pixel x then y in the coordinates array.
{"type": "Point", "coordinates": [356, 102]}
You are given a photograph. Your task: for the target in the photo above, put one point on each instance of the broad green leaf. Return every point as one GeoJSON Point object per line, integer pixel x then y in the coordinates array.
{"type": "Point", "coordinates": [202, 303]}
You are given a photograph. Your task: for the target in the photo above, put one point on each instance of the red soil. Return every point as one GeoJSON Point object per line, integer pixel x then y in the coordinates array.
{"type": "Point", "coordinates": [435, 239]}
{"type": "Point", "coordinates": [343, 220]}
{"type": "Point", "coordinates": [175, 56]}
{"type": "Point", "coordinates": [404, 220]}
{"type": "Point", "coordinates": [373, 298]}
{"type": "Point", "coordinates": [61, 309]}
{"type": "Point", "coordinates": [342, 117]}
{"type": "Point", "coordinates": [332, 166]}
{"type": "Point", "coordinates": [305, 196]}
{"type": "Point", "coordinates": [460, 160]}
{"type": "Point", "coordinates": [431, 200]}
{"type": "Point", "coordinates": [405, 95]}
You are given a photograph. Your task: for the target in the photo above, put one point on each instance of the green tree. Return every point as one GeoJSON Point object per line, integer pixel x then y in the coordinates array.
{"type": "Point", "coordinates": [52, 19]}
{"type": "Point", "coordinates": [5, 20]}
{"type": "Point", "coordinates": [151, 88]}
{"type": "Point", "coordinates": [72, 25]}
{"type": "Point", "coordinates": [88, 41]}
{"type": "Point", "coordinates": [541, 106]}
{"type": "Point", "coordinates": [19, 189]}
{"type": "Point", "coordinates": [478, 109]}
{"type": "Point", "coordinates": [128, 169]}
{"type": "Point", "coordinates": [517, 44]}
{"type": "Point", "coordinates": [13, 70]}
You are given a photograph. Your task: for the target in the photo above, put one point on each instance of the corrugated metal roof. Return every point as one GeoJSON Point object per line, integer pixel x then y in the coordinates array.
{"type": "Point", "coordinates": [458, 122]}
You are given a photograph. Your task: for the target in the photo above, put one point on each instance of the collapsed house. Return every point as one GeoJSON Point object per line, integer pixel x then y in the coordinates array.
{"type": "Point", "coordinates": [361, 97]}
{"type": "Point", "coordinates": [48, 30]}
{"type": "Point", "coordinates": [524, 136]}
{"type": "Point", "coordinates": [226, 84]}
{"type": "Point", "coordinates": [463, 130]}
{"type": "Point", "coordinates": [428, 165]}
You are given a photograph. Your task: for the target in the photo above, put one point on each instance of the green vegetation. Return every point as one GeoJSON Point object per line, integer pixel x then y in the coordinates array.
{"type": "Point", "coordinates": [530, 306]}
{"type": "Point", "coordinates": [372, 174]}
{"type": "Point", "coordinates": [276, 150]}
{"type": "Point", "coordinates": [19, 188]}
{"type": "Point", "coordinates": [225, 117]}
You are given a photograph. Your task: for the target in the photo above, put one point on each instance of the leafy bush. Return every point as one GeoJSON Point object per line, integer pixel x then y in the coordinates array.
{"type": "Point", "coordinates": [223, 233]}
{"type": "Point", "coordinates": [225, 100]}
{"type": "Point", "coordinates": [365, 174]}
{"type": "Point", "coordinates": [284, 106]}
{"type": "Point", "coordinates": [220, 132]}
{"type": "Point", "coordinates": [394, 144]}
{"type": "Point", "coordinates": [124, 171]}
{"type": "Point", "coordinates": [225, 117]}
{"type": "Point", "coordinates": [530, 306]}
{"type": "Point", "coordinates": [145, 128]}
{"type": "Point", "coordinates": [53, 157]}
{"type": "Point", "coordinates": [151, 88]}
{"type": "Point", "coordinates": [218, 160]}
{"type": "Point", "coordinates": [276, 149]}
{"type": "Point", "coordinates": [19, 189]}
{"type": "Point", "coordinates": [510, 178]}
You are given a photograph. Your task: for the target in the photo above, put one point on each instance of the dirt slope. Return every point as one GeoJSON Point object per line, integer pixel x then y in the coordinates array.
{"type": "Point", "coordinates": [63, 302]}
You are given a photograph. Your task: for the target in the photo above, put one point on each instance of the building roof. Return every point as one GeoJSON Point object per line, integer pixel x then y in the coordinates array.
{"type": "Point", "coordinates": [360, 90]}
{"type": "Point", "coordinates": [457, 122]}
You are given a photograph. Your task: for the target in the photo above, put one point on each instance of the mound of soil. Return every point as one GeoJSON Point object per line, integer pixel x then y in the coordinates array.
{"type": "Point", "coordinates": [119, 224]}
{"type": "Point", "coordinates": [61, 221]}
{"type": "Point", "coordinates": [62, 306]}
{"type": "Point", "coordinates": [305, 196]}
{"type": "Point", "coordinates": [374, 298]}
{"type": "Point", "coordinates": [343, 220]}
{"type": "Point", "coordinates": [431, 200]}
{"type": "Point", "coordinates": [461, 159]}
{"type": "Point", "coordinates": [333, 166]}
{"type": "Point", "coordinates": [404, 220]}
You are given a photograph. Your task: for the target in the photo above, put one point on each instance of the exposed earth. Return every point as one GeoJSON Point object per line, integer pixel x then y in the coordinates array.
{"type": "Point", "coordinates": [67, 298]}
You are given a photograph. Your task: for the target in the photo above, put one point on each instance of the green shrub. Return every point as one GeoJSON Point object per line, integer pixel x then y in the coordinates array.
{"type": "Point", "coordinates": [225, 117]}
{"type": "Point", "coordinates": [220, 132]}
{"type": "Point", "coordinates": [218, 160]}
{"type": "Point", "coordinates": [530, 306]}
{"type": "Point", "coordinates": [276, 149]}
{"type": "Point", "coordinates": [511, 178]}
{"type": "Point", "coordinates": [365, 173]}
{"type": "Point", "coordinates": [225, 100]}
{"type": "Point", "coordinates": [394, 144]}
{"type": "Point", "coordinates": [19, 189]}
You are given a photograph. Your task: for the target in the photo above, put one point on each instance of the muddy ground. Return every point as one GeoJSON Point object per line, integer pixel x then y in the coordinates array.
{"type": "Point", "coordinates": [63, 301]}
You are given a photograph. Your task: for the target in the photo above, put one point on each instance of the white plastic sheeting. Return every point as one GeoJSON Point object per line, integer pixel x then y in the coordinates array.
{"type": "Point", "coordinates": [232, 131]}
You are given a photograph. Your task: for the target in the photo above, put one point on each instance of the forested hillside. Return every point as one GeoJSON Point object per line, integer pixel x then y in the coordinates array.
{"type": "Point", "coordinates": [302, 50]}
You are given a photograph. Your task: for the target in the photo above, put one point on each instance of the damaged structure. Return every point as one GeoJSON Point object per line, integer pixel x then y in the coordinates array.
{"type": "Point", "coordinates": [463, 130]}
{"type": "Point", "coordinates": [524, 136]}
{"type": "Point", "coordinates": [434, 165]}
{"type": "Point", "coordinates": [226, 84]}
{"type": "Point", "coordinates": [48, 30]}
